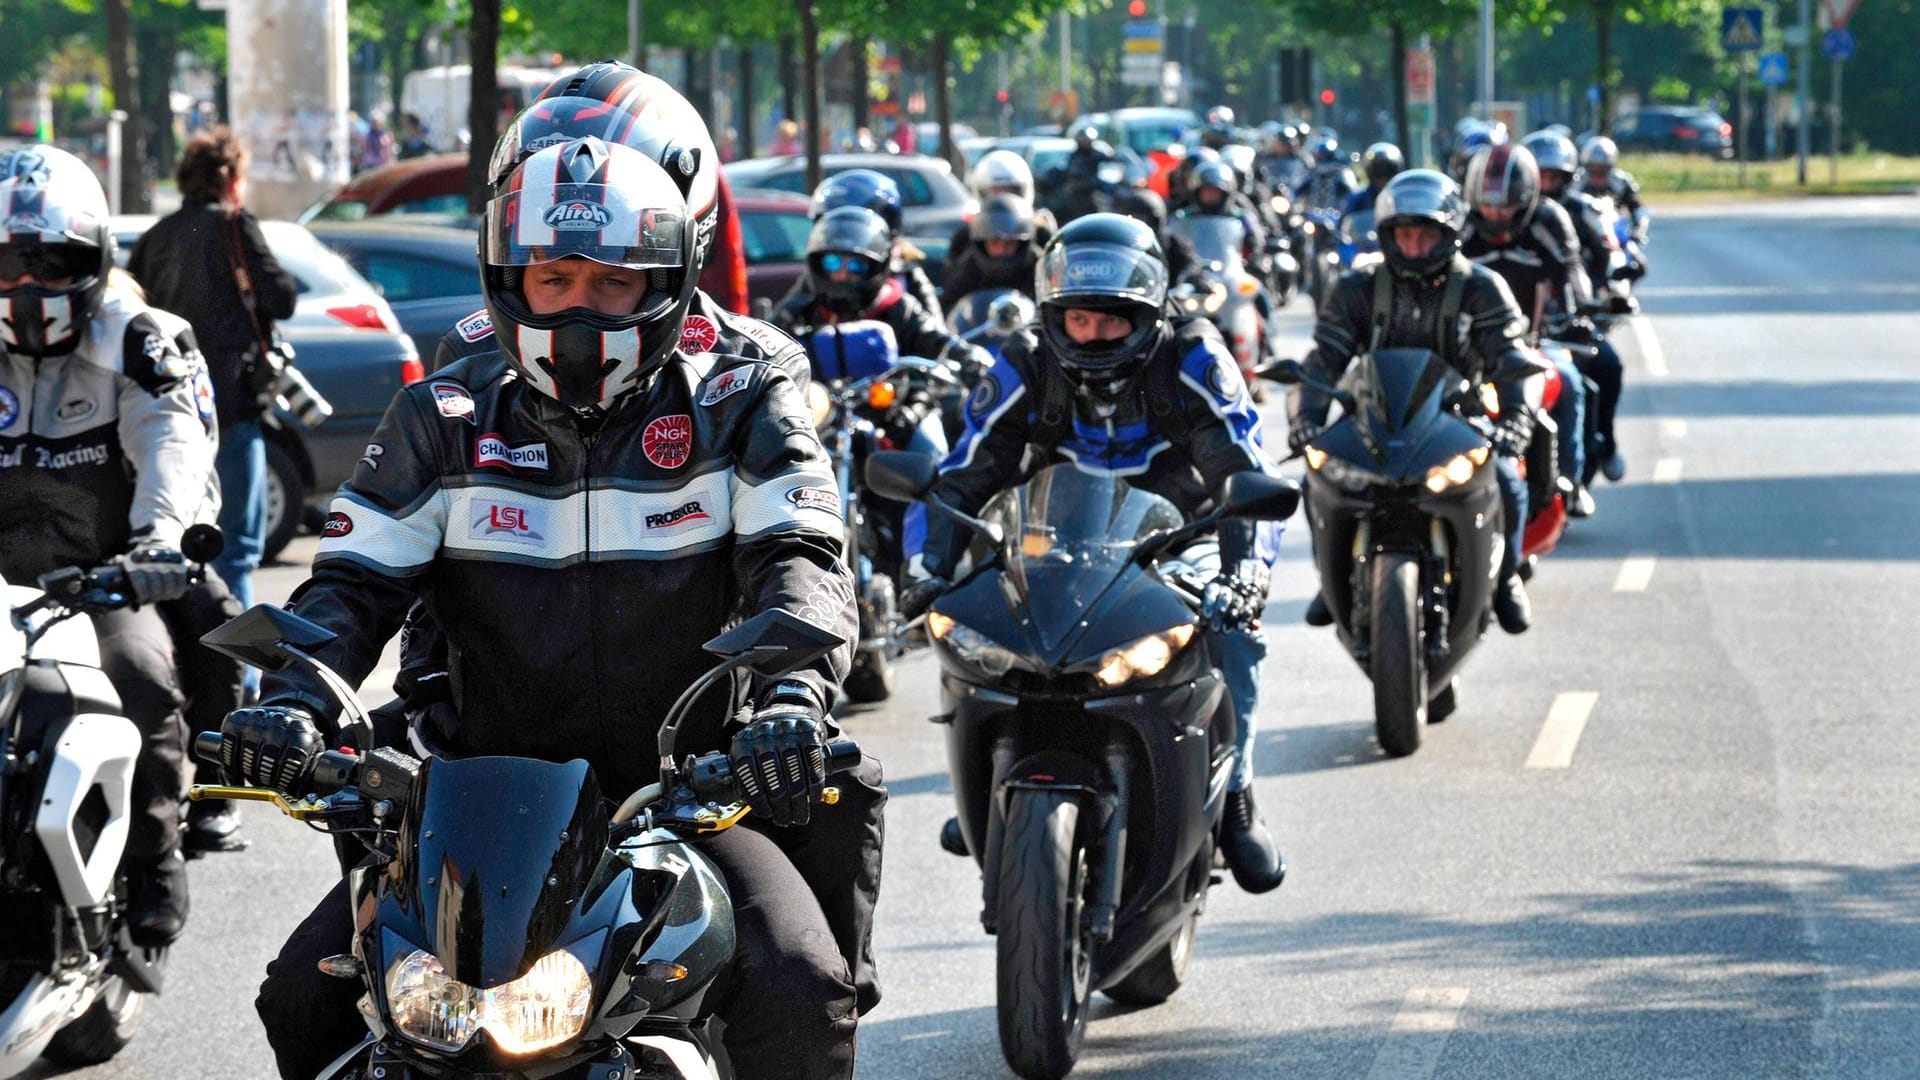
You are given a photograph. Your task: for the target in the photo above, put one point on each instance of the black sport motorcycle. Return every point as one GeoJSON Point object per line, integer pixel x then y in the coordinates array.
{"type": "Point", "coordinates": [1089, 736]}
{"type": "Point", "coordinates": [1404, 507]}
{"type": "Point", "coordinates": [508, 923]}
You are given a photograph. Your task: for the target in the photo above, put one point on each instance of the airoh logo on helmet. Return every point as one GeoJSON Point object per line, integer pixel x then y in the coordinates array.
{"type": "Point", "coordinates": [577, 215]}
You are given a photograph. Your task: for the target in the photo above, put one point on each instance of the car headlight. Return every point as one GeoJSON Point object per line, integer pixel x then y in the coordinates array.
{"type": "Point", "coordinates": [541, 1009]}
{"type": "Point", "coordinates": [1143, 658]}
{"type": "Point", "coordinates": [821, 403]}
{"type": "Point", "coordinates": [1456, 471]}
{"type": "Point", "coordinates": [970, 646]}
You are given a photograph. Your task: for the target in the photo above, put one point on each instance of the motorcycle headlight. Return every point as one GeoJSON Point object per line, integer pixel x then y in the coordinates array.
{"type": "Point", "coordinates": [1456, 471]}
{"type": "Point", "coordinates": [1343, 474]}
{"type": "Point", "coordinates": [1215, 299]}
{"type": "Point", "coordinates": [541, 1009]}
{"type": "Point", "coordinates": [821, 403]}
{"type": "Point", "coordinates": [970, 646]}
{"type": "Point", "coordinates": [1280, 205]}
{"type": "Point", "coordinates": [1144, 658]}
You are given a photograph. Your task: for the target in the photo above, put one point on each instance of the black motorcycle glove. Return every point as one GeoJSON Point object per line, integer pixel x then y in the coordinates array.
{"type": "Point", "coordinates": [270, 746]}
{"type": "Point", "coordinates": [156, 573]}
{"type": "Point", "coordinates": [779, 759]}
{"type": "Point", "coordinates": [1235, 599]}
{"type": "Point", "coordinates": [920, 596]}
{"type": "Point", "coordinates": [1512, 433]}
{"type": "Point", "coordinates": [1302, 432]}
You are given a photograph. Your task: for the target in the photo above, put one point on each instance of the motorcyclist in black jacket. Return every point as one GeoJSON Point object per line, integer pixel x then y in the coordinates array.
{"type": "Point", "coordinates": [472, 504]}
{"type": "Point", "coordinates": [877, 192]}
{"type": "Point", "coordinates": [1382, 162]}
{"type": "Point", "coordinates": [1602, 177]}
{"type": "Point", "coordinates": [1433, 299]}
{"type": "Point", "coordinates": [1001, 251]}
{"type": "Point", "coordinates": [1114, 384]}
{"type": "Point", "coordinates": [1530, 243]}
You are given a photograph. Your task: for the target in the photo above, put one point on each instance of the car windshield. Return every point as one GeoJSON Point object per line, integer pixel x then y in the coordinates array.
{"type": "Point", "coordinates": [339, 210]}
{"type": "Point", "coordinates": [774, 237]}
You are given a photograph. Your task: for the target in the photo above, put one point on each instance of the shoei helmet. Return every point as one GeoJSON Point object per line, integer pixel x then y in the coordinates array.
{"type": "Point", "coordinates": [1420, 197]}
{"type": "Point", "coordinates": [1383, 161]}
{"type": "Point", "coordinates": [842, 240]}
{"type": "Point", "coordinates": [613, 205]}
{"type": "Point", "coordinates": [1503, 188]}
{"type": "Point", "coordinates": [622, 106]}
{"type": "Point", "coordinates": [1107, 263]}
{"type": "Point", "coordinates": [1554, 153]}
{"type": "Point", "coordinates": [1001, 172]}
{"type": "Point", "coordinates": [55, 231]}
{"type": "Point", "coordinates": [864, 188]}
{"type": "Point", "coordinates": [1002, 217]}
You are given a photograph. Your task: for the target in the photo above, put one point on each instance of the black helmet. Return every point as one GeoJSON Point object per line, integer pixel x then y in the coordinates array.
{"type": "Point", "coordinates": [613, 205]}
{"type": "Point", "coordinates": [849, 232]}
{"type": "Point", "coordinates": [1500, 179]}
{"type": "Point", "coordinates": [55, 227]}
{"type": "Point", "coordinates": [1383, 161]}
{"type": "Point", "coordinates": [864, 188]}
{"type": "Point", "coordinates": [621, 105]}
{"type": "Point", "coordinates": [1002, 217]}
{"type": "Point", "coordinates": [1107, 263]}
{"type": "Point", "coordinates": [1181, 181]}
{"type": "Point", "coordinates": [1420, 197]}
{"type": "Point", "coordinates": [1213, 174]}
{"type": "Point", "coordinates": [1553, 152]}
{"type": "Point", "coordinates": [1083, 132]}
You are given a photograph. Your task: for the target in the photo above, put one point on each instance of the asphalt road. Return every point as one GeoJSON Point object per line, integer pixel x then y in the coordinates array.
{"type": "Point", "coordinates": [1670, 832]}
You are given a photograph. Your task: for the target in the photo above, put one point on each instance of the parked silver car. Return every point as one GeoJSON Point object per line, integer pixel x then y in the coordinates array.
{"type": "Point", "coordinates": [934, 202]}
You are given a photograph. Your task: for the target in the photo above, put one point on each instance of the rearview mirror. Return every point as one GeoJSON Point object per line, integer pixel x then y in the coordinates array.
{"type": "Point", "coordinates": [779, 641]}
{"type": "Point", "coordinates": [262, 634]}
{"type": "Point", "coordinates": [901, 475]}
{"type": "Point", "coordinates": [1287, 372]}
{"type": "Point", "coordinates": [1256, 496]}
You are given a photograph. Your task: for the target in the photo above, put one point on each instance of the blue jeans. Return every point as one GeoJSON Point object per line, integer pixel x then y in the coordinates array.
{"type": "Point", "coordinates": [930, 437]}
{"type": "Point", "coordinates": [1570, 412]}
{"type": "Point", "coordinates": [1513, 504]}
{"type": "Point", "coordinates": [1238, 654]}
{"type": "Point", "coordinates": [242, 468]}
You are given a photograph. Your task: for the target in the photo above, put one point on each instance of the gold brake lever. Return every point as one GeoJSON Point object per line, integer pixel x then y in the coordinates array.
{"type": "Point", "coordinates": [300, 810]}
{"type": "Point", "coordinates": [708, 821]}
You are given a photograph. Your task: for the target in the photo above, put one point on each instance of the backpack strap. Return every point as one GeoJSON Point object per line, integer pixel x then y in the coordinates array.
{"type": "Point", "coordinates": [1459, 272]}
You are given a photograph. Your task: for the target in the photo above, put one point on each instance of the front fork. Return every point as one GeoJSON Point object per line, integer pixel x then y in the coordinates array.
{"type": "Point", "coordinates": [1108, 800]}
{"type": "Point", "coordinates": [1436, 579]}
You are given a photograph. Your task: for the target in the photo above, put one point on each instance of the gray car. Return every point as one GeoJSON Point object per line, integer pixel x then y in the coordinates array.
{"type": "Point", "coordinates": [934, 202]}
{"type": "Point", "coordinates": [429, 275]}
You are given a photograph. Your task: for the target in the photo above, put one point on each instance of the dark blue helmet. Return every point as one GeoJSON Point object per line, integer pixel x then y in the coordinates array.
{"type": "Point", "coordinates": [864, 188]}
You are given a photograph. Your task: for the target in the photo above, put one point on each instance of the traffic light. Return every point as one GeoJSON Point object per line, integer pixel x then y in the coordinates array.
{"type": "Point", "coordinates": [1137, 8]}
{"type": "Point", "coordinates": [1002, 97]}
{"type": "Point", "coordinates": [1326, 96]}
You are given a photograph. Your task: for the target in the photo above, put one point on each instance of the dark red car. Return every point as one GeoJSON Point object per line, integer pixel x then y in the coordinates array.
{"type": "Point", "coordinates": [437, 185]}
{"type": "Point", "coordinates": [773, 234]}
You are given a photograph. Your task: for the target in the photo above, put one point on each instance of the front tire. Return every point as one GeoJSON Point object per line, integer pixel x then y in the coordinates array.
{"type": "Point", "coordinates": [1160, 975]}
{"type": "Point", "coordinates": [1044, 963]}
{"type": "Point", "coordinates": [102, 1031]}
{"type": "Point", "coordinates": [1399, 661]}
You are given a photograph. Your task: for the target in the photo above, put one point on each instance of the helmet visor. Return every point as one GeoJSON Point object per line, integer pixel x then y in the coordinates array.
{"type": "Point", "coordinates": [1069, 271]}
{"type": "Point", "coordinates": [639, 223]}
{"type": "Point", "coordinates": [52, 262]}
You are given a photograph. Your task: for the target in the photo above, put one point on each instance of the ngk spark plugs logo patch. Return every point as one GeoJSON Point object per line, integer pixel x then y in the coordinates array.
{"type": "Point", "coordinates": [491, 449]}
{"type": "Point", "coordinates": [577, 215]}
{"type": "Point", "coordinates": [668, 441]}
{"type": "Point", "coordinates": [680, 515]}
{"type": "Point", "coordinates": [505, 521]}
{"type": "Point", "coordinates": [698, 334]}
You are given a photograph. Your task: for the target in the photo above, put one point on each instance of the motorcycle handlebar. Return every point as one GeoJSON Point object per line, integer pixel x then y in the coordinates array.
{"type": "Point", "coordinates": [712, 776]}
{"type": "Point", "coordinates": [331, 771]}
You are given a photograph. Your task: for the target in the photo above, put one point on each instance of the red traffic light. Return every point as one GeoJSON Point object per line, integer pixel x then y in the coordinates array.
{"type": "Point", "coordinates": [1002, 97]}
{"type": "Point", "coordinates": [1137, 8]}
{"type": "Point", "coordinates": [1326, 96]}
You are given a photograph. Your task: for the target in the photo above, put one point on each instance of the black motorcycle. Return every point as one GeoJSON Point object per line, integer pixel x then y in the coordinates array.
{"type": "Point", "coordinates": [1089, 736]}
{"type": "Point", "coordinates": [1404, 507]}
{"type": "Point", "coordinates": [509, 922]}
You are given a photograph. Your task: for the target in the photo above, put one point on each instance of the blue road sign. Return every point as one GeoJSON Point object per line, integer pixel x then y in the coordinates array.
{"type": "Point", "coordinates": [1740, 29]}
{"type": "Point", "coordinates": [1773, 69]}
{"type": "Point", "coordinates": [1837, 45]}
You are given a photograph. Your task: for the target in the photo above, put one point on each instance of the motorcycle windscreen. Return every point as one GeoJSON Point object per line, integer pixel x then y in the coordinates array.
{"type": "Point", "coordinates": [970, 313]}
{"type": "Point", "coordinates": [1399, 391]}
{"type": "Point", "coordinates": [1357, 229]}
{"type": "Point", "coordinates": [496, 854]}
{"type": "Point", "coordinates": [1070, 534]}
{"type": "Point", "coordinates": [1216, 238]}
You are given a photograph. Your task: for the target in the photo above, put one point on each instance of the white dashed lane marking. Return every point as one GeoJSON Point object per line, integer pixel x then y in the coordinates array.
{"type": "Point", "coordinates": [1666, 471]}
{"type": "Point", "coordinates": [1652, 357]}
{"type": "Point", "coordinates": [1419, 1034]}
{"type": "Point", "coordinates": [1561, 733]}
{"type": "Point", "coordinates": [1635, 573]}
{"type": "Point", "coordinates": [1675, 429]}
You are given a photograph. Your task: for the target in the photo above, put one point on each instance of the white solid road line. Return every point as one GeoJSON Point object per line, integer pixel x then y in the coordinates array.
{"type": "Point", "coordinates": [1635, 573]}
{"type": "Point", "coordinates": [1419, 1033]}
{"type": "Point", "coordinates": [1666, 471]}
{"type": "Point", "coordinates": [1651, 355]}
{"type": "Point", "coordinates": [1561, 733]}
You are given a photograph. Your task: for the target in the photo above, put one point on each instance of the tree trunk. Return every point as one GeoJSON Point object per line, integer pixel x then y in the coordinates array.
{"type": "Point", "coordinates": [154, 45]}
{"type": "Point", "coordinates": [1603, 65]}
{"type": "Point", "coordinates": [789, 79]}
{"type": "Point", "coordinates": [810, 59]}
{"type": "Point", "coordinates": [745, 53]}
{"type": "Point", "coordinates": [857, 93]}
{"type": "Point", "coordinates": [943, 102]}
{"type": "Point", "coordinates": [1397, 69]}
{"type": "Point", "coordinates": [483, 99]}
{"type": "Point", "coordinates": [125, 71]}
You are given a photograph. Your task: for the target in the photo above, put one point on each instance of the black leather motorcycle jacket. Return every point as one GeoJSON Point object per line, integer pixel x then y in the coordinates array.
{"type": "Point", "coordinates": [574, 564]}
{"type": "Point", "coordinates": [1624, 190]}
{"type": "Point", "coordinates": [1184, 425]}
{"type": "Point", "coordinates": [109, 444]}
{"type": "Point", "coordinates": [918, 331]}
{"type": "Point", "coordinates": [969, 269]}
{"type": "Point", "coordinates": [1542, 258]}
{"type": "Point", "coordinates": [1484, 340]}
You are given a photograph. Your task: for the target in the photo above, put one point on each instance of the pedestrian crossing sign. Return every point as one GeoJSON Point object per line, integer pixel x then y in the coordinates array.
{"type": "Point", "coordinates": [1740, 29]}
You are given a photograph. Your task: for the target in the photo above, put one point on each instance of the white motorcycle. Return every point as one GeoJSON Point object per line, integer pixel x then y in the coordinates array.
{"type": "Point", "coordinates": [72, 983]}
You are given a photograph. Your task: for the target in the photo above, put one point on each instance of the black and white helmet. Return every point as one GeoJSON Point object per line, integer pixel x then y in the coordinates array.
{"type": "Point", "coordinates": [53, 228]}
{"type": "Point", "coordinates": [611, 204]}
